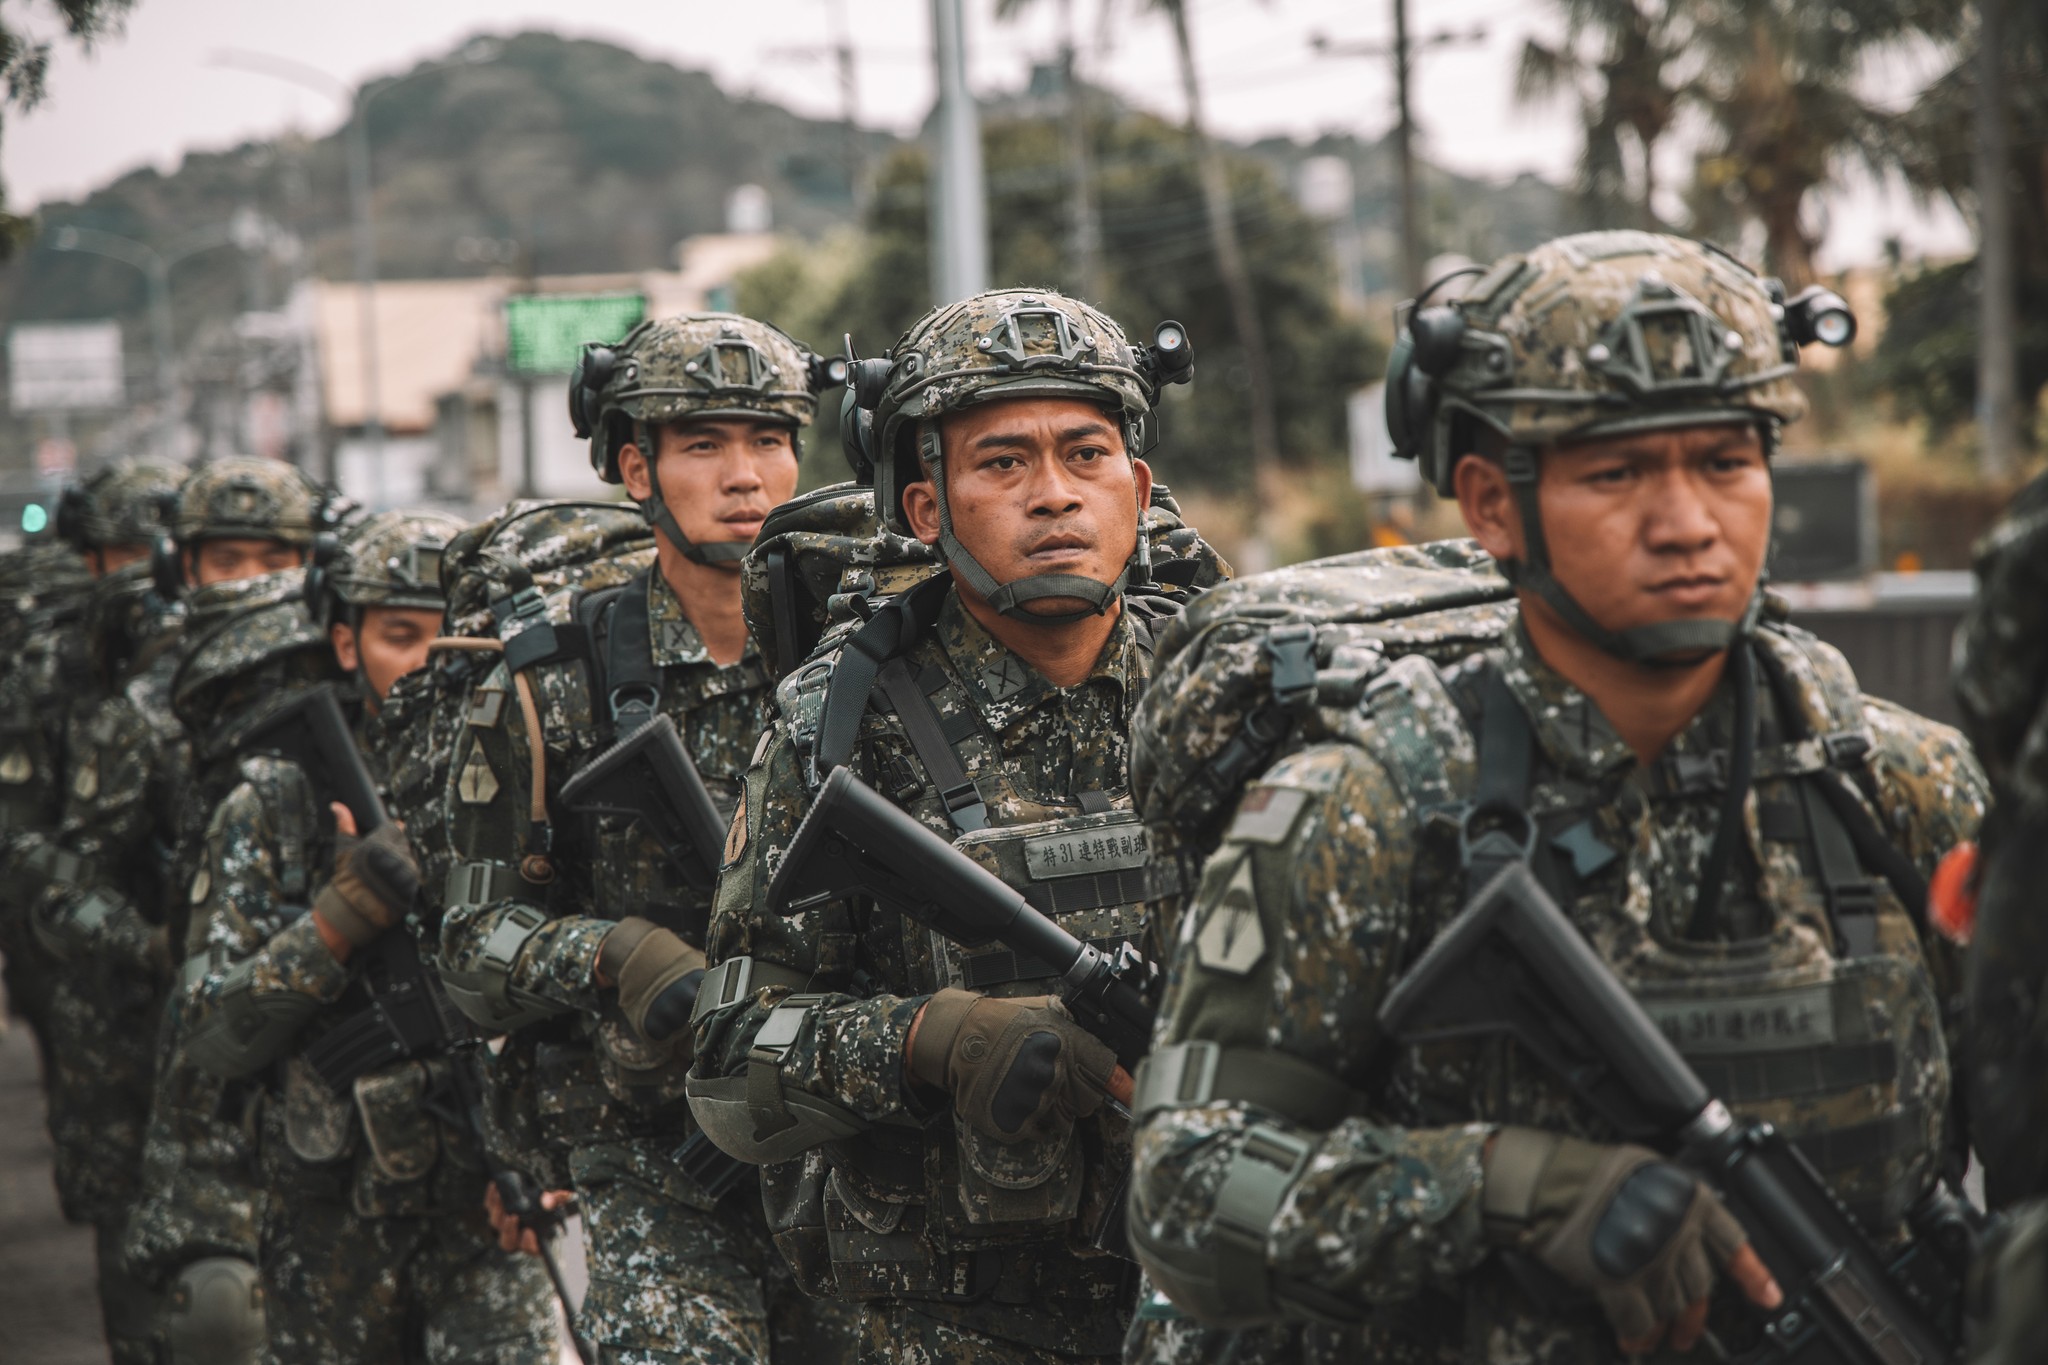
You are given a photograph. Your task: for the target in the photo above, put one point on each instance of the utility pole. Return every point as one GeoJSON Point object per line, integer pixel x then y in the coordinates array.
{"type": "Point", "coordinates": [959, 199]}
{"type": "Point", "coordinates": [1997, 365]}
{"type": "Point", "coordinates": [1403, 53]}
{"type": "Point", "coordinates": [1084, 226]}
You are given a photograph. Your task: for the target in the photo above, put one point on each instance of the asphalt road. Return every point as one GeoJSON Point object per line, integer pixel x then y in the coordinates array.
{"type": "Point", "coordinates": [49, 1308]}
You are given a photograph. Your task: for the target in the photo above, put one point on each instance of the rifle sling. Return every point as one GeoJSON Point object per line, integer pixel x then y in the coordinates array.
{"type": "Point", "coordinates": [631, 680]}
{"type": "Point", "coordinates": [927, 735]}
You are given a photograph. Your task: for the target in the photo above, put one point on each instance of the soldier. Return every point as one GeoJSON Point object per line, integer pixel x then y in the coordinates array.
{"type": "Point", "coordinates": [194, 1229]}
{"type": "Point", "coordinates": [42, 667]}
{"type": "Point", "coordinates": [374, 1246]}
{"type": "Point", "coordinates": [581, 935]}
{"type": "Point", "coordinates": [938, 1151]}
{"type": "Point", "coordinates": [1736, 830]}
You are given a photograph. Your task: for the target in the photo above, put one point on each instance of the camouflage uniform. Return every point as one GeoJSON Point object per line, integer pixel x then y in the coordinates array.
{"type": "Point", "coordinates": [374, 1244]}
{"type": "Point", "coordinates": [198, 1221]}
{"type": "Point", "coordinates": [1339, 1213]}
{"type": "Point", "coordinates": [681, 1268]}
{"type": "Point", "coordinates": [954, 1246]}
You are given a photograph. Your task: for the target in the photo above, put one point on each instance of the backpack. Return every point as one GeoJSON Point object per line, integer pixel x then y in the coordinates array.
{"type": "Point", "coordinates": [1264, 665]}
{"type": "Point", "coordinates": [543, 546]}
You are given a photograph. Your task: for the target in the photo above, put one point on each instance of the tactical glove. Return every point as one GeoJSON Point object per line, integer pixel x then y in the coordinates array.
{"type": "Point", "coordinates": [657, 975]}
{"type": "Point", "coordinates": [1019, 1069]}
{"type": "Point", "coordinates": [1643, 1235]}
{"type": "Point", "coordinates": [375, 881]}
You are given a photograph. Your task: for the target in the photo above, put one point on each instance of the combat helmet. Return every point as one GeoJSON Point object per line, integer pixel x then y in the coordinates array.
{"type": "Point", "coordinates": [1005, 343]}
{"type": "Point", "coordinates": [125, 503]}
{"type": "Point", "coordinates": [244, 638]}
{"type": "Point", "coordinates": [392, 559]}
{"type": "Point", "coordinates": [245, 499]}
{"type": "Point", "coordinates": [708, 365]}
{"type": "Point", "coordinates": [1592, 335]}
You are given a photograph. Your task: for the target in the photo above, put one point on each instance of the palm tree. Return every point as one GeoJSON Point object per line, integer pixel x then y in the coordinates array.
{"type": "Point", "coordinates": [1622, 85]}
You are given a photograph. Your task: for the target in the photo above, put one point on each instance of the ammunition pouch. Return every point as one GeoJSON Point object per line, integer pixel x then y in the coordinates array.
{"type": "Point", "coordinates": [486, 994]}
{"type": "Point", "coordinates": [247, 1029]}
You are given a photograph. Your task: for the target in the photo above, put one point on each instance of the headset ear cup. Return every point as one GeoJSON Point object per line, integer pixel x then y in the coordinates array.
{"type": "Point", "coordinates": [166, 569]}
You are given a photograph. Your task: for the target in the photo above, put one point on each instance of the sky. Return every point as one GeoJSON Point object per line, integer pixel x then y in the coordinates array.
{"type": "Point", "coordinates": [156, 90]}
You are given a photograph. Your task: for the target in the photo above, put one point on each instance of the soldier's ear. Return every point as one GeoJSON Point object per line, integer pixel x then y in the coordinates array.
{"type": "Point", "coordinates": [1487, 503]}
{"type": "Point", "coordinates": [344, 641]}
{"type": "Point", "coordinates": [634, 473]}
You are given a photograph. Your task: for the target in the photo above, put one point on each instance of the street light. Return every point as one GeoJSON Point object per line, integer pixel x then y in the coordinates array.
{"type": "Point", "coordinates": [156, 268]}
{"type": "Point", "coordinates": [357, 106]}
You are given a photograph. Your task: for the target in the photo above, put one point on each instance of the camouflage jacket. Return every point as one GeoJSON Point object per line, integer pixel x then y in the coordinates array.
{"type": "Point", "coordinates": [603, 868]}
{"type": "Point", "coordinates": [381, 1144]}
{"type": "Point", "coordinates": [1341, 864]}
{"type": "Point", "coordinates": [1039, 755]}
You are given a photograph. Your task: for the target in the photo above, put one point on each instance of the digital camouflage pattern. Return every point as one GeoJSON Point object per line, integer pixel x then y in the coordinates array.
{"type": "Point", "coordinates": [1338, 867]}
{"type": "Point", "coordinates": [709, 365]}
{"type": "Point", "coordinates": [675, 1275]}
{"type": "Point", "coordinates": [374, 1243]}
{"type": "Point", "coordinates": [120, 504]}
{"type": "Point", "coordinates": [2001, 682]}
{"type": "Point", "coordinates": [249, 498]}
{"type": "Point", "coordinates": [392, 559]}
{"type": "Point", "coordinates": [920, 1190]}
{"type": "Point", "coordinates": [1609, 331]}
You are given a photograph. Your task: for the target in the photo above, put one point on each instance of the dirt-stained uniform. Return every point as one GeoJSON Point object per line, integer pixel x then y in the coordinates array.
{"type": "Point", "coordinates": [681, 1266]}
{"type": "Point", "coordinates": [1300, 1172]}
{"type": "Point", "coordinates": [374, 1246]}
{"type": "Point", "coordinates": [955, 1245]}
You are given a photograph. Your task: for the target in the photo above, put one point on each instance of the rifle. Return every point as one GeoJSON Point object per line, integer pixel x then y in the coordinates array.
{"type": "Point", "coordinates": [311, 731]}
{"type": "Point", "coordinates": [649, 777]}
{"type": "Point", "coordinates": [1511, 963]}
{"type": "Point", "coordinates": [855, 841]}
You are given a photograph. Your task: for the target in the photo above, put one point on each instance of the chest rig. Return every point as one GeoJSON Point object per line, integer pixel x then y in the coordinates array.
{"type": "Point", "coordinates": [944, 1212]}
{"type": "Point", "coordinates": [1809, 1005]}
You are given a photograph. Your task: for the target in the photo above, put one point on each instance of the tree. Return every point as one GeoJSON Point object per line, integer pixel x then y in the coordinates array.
{"type": "Point", "coordinates": [24, 71]}
{"type": "Point", "coordinates": [1616, 57]}
{"type": "Point", "coordinates": [1158, 263]}
{"type": "Point", "coordinates": [1781, 85]}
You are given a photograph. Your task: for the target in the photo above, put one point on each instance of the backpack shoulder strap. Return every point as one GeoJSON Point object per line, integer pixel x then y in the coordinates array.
{"type": "Point", "coordinates": [623, 642]}
{"type": "Point", "coordinates": [888, 634]}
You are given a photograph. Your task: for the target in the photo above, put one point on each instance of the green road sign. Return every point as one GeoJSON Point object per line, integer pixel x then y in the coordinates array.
{"type": "Point", "coordinates": [543, 332]}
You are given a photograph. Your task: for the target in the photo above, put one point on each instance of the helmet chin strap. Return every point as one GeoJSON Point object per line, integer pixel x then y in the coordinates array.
{"type": "Point", "coordinates": [1010, 598]}
{"type": "Point", "coordinates": [1667, 644]}
{"type": "Point", "coordinates": [664, 521]}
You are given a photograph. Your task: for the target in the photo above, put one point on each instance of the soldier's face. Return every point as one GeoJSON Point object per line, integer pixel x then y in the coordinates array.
{"type": "Point", "coordinates": [1643, 528]}
{"type": "Point", "coordinates": [1036, 486]}
{"type": "Point", "coordinates": [391, 643]}
{"type": "Point", "coordinates": [720, 479]}
{"type": "Point", "coordinates": [229, 560]}
{"type": "Point", "coordinates": [104, 559]}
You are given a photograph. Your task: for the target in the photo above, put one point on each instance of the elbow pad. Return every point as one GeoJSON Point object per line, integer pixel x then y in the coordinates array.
{"type": "Point", "coordinates": [485, 993]}
{"type": "Point", "coordinates": [752, 1117]}
{"type": "Point", "coordinates": [246, 1029]}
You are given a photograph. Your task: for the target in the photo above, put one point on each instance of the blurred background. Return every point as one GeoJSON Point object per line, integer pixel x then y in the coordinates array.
{"type": "Point", "coordinates": [368, 237]}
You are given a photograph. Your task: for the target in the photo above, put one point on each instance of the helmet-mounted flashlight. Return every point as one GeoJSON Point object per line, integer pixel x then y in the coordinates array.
{"type": "Point", "coordinates": [1819, 314]}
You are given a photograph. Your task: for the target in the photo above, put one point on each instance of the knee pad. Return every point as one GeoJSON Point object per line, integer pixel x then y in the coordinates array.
{"type": "Point", "coordinates": [213, 1314]}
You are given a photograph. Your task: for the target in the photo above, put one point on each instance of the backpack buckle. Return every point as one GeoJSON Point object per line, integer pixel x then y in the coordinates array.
{"type": "Point", "coordinates": [1292, 650]}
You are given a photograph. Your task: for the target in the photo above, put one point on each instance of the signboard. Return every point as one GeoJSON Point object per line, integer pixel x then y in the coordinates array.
{"type": "Point", "coordinates": [545, 332]}
{"type": "Point", "coordinates": [64, 366]}
{"type": "Point", "coordinates": [1373, 466]}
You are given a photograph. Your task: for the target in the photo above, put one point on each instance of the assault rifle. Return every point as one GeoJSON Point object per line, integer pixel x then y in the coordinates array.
{"type": "Point", "coordinates": [854, 841]}
{"type": "Point", "coordinates": [311, 731]}
{"type": "Point", "coordinates": [648, 776]}
{"type": "Point", "coordinates": [1512, 964]}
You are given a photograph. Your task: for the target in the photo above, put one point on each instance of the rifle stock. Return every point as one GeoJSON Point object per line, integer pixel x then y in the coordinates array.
{"type": "Point", "coordinates": [311, 731]}
{"type": "Point", "coordinates": [1512, 964]}
{"type": "Point", "coordinates": [648, 776]}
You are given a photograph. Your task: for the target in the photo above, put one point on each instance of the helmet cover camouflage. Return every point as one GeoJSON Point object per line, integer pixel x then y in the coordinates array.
{"type": "Point", "coordinates": [1611, 331]}
{"type": "Point", "coordinates": [120, 504]}
{"type": "Point", "coordinates": [707, 365]}
{"type": "Point", "coordinates": [234, 629]}
{"type": "Point", "coordinates": [1003, 343]}
{"type": "Point", "coordinates": [251, 499]}
{"type": "Point", "coordinates": [392, 559]}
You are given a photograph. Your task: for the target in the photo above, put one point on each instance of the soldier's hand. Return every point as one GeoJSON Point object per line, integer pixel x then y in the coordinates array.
{"type": "Point", "coordinates": [1645, 1236]}
{"type": "Point", "coordinates": [1018, 1068]}
{"type": "Point", "coordinates": [375, 881]}
{"type": "Point", "coordinates": [513, 1234]}
{"type": "Point", "coordinates": [657, 974]}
